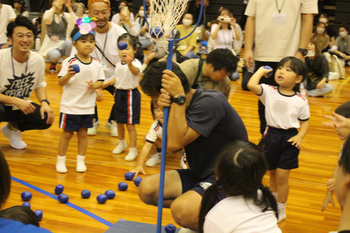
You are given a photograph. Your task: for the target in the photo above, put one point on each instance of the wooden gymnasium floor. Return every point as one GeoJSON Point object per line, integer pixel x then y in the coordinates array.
{"type": "Point", "coordinates": [36, 166]}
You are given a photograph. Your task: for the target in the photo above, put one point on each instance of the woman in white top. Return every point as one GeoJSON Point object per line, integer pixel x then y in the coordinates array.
{"type": "Point", "coordinates": [59, 26]}
{"type": "Point", "coordinates": [238, 201]}
{"type": "Point", "coordinates": [116, 17]}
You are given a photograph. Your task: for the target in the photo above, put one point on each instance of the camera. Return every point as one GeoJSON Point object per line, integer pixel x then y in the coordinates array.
{"type": "Point", "coordinates": [225, 20]}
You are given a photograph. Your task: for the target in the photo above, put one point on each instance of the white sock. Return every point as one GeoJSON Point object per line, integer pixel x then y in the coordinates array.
{"type": "Point", "coordinates": [281, 207]}
{"type": "Point", "coordinates": [275, 194]}
{"type": "Point", "coordinates": [122, 142]}
{"type": "Point", "coordinates": [81, 163]}
{"type": "Point", "coordinates": [61, 164]}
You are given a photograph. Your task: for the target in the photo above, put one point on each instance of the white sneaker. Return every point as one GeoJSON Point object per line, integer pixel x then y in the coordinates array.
{"type": "Point", "coordinates": [132, 154]}
{"type": "Point", "coordinates": [153, 161]}
{"type": "Point", "coordinates": [186, 230]}
{"type": "Point", "coordinates": [120, 148]}
{"type": "Point", "coordinates": [61, 164]}
{"type": "Point", "coordinates": [14, 137]}
{"type": "Point", "coordinates": [80, 164]}
{"type": "Point", "coordinates": [93, 131]}
{"type": "Point", "coordinates": [183, 161]}
{"type": "Point", "coordinates": [112, 126]}
{"type": "Point", "coordinates": [281, 217]}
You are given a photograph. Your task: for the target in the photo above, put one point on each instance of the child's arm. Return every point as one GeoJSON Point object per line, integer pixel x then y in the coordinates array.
{"type": "Point", "coordinates": [143, 155]}
{"type": "Point", "coordinates": [133, 69]}
{"type": "Point", "coordinates": [330, 188]}
{"type": "Point", "coordinates": [253, 83]}
{"type": "Point", "coordinates": [297, 139]}
{"type": "Point", "coordinates": [108, 82]}
{"type": "Point", "coordinates": [62, 81]}
{"type": "Point", "coordinates": [96, 85]}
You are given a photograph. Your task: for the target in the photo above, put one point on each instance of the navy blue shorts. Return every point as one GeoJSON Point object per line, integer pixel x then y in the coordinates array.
{"type": "Point", "coordinates": [75, 122]}
{"type": "Point", "coordinates": [280, 153]}
{"type": "Point", "coordinates": [127, 106]}
{"type": "Point", "coordinates": [190, 182]}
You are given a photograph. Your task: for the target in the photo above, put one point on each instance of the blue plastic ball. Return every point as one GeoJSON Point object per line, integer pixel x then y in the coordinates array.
{"type": "Point", "coordinates": [59, 189]}
{"type": "Point", "coordinates": [123, 186]}
{"type": "Point", "coordinates": [122, 45]}
{"type": "Point", "coordinates": [268, 68]}
{"type": "Point", "coordinates": [39, 214]}
{"type": "Point", "coordinates": [101, 198]}
{"type": "Point", "coordinates": [110, 194]}
{"type": "Point", "coordinates": [157, 32]}
{"type": "Point", "coordinates": [129, 175]}
{"type": "Point", "coordinates": [26, 196]}
{"type": "Point", "coordinates": [76, 68]}
{"type": "Point", "coordinates": [85, 193]}
{"type": "Point", "coordinates": [170, 228]}
{"type": "Point", "coordinates": [137, 181]}
{"type": "Point", "coordinates": [63, 198]}
{"type": "Point", "coordinates": [26, 204]}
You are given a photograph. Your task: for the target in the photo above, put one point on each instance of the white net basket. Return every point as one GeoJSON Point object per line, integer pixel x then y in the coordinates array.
{"type": "Point", "coordinates": [164, 16]}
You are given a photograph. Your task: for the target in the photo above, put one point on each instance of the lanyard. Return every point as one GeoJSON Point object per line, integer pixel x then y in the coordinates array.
{"type": "Point", "coordinates": [104, 45]}
{"type": "Point", "coordinates": [279, 9]}
{"type": "Point", "coordinates": [13, 67]}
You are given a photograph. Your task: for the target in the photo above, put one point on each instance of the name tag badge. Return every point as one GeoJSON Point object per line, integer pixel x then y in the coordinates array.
{"type": "Point", "coordinates": [279, 19]}
{"type": "Point", "coordinates": [183, 47]}
{"type": "Point", "coordinates": [104, 67]}
{"type": "Point", "coordinates": [54, 38]}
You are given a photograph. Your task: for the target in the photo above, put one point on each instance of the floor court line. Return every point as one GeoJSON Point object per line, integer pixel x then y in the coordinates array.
{"type": "Point", "coordinates": [78, 208]}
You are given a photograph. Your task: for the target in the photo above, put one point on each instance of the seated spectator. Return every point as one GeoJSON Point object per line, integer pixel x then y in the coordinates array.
{"type": "Point", "coordinates": [116, 18]}
{"type": "Point", "coordinates": [324, 18]}
{"type": "Point", "coordinates": [131, 27]}
{"type": "Point", "coordinates": [187, 46]}
{"type": "Point", "coordinates": [144, 37]}
{"type": "Point", "coordinates": [317, 64]}
{"type": "Point", "coordinates": [20, 8]}
{"type": "Point", "coordinates": [341, 46]}
{"type": "Point", "coordinates": [56, 42]}
{"type": "Point", "coordinates": [321, 38]}
{"type": "Point", "coordinates": [7, 225]}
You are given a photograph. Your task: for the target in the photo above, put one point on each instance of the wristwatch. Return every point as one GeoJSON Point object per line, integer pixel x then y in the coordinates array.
{"type": "Point", "coordinates": [180, 100]}
{"type": "Point", "coordinates": [303, 51]}
{"type": "Point", "coordinates": [45, 100]}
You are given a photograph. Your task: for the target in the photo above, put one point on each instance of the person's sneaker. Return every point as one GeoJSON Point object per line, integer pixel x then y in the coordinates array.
{"type": "Point", "coordinates": [112, 126]}
{"type": "Point", "coordinates": [81, 164]}
{"type": "Point", "coordinates": [281, 217]}
{"type": "Point", "coordinates": [183, 161]}
{"type": "Point", "coordinates": [186, 230]}
{"type": "Point", "coordinates": [120, 148]}
{"type": "Point", "coordinates": [153, 161]}
{"type": "Point", "coordinates": [61, 164]}
{"type": "Point", "coordinates": [14, 137]}
{"type": "Point", "coordinates": [93, 131]}
{"type": "Point", "coordinates": [53, 68]}
{"type": "Point", "coordinates": [132, 154]}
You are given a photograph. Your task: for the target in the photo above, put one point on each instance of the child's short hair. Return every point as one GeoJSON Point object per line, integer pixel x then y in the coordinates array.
{"type": "Point", "coordinates": [89, 36]}
{"type": "Point", "coordinates": [129, 38]}
{"type": "Point", "coordinates": [222, 59]}
{"type": "Point", "coordinates": [344, 110]}
{"type": "Point", "coordinates": [298, 67]}
{"type": "Point", "coordinates": [20, 214]}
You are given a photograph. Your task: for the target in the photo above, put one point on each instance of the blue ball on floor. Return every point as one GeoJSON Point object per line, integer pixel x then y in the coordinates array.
{"type": "Point", "coordinates": [76, 68]}
{"type": "Point", "coordinates": [85, 193]}
{"type": "Point", "coordinates": [123, 186]}
{"type": "Point", "coordinates": [137, 181]}
{"type": "Point", "coordinates": [170, 228]}
{"type": "Point", "coordinates": [110, 194]}
{"type": "Point", "coordinates": [39, 214]}
{"type": "Point", "coordinates": [129, 175]}
{"type": "Point", "coordinates": [26, 204]}
{"type": "Point", "coordinates": [63, 198]}
{"type": "Point", "coordinates": [59, 189]}
{"type": "Point", "coordinates": [26, 196]}
{"type": "Point", "coordinates": [102, 198]}
{"type": "Point", "coordinates": [122, 45]}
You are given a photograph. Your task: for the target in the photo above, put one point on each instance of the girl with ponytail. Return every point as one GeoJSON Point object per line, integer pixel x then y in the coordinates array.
{"type": "Point", "coordinates": [238, 201]}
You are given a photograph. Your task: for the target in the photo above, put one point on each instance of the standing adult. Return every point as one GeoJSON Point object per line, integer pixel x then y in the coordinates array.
{"type": "Point", "coordinates": [279, 28]}
{"type": "Point", "coordinates": [106, 50]}
{"type": "Point", "coordinates": [22, 72]}
{"type": "Point", "coordinates": [56, 41]}
{"type": "Point", "coordinates": [202, 122]}
{"type": "Point", "coordinates": [7, 14]}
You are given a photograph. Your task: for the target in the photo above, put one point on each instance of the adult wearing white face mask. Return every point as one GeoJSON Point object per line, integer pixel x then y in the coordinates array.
{"type": "Point", "coordinates": [321, 38]}
{"type": "Point", "coordinates": [144, 37]}
{"type": "Point", "coordinates": [341, 47]}
{"type": "Point", "coordinates": [187, 46]}
{"type": "Point", "coordinates": [329, 28]}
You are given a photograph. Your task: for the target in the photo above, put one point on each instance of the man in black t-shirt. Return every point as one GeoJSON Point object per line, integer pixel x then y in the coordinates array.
{"type": "Point", "coordinates": [202, 122]}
